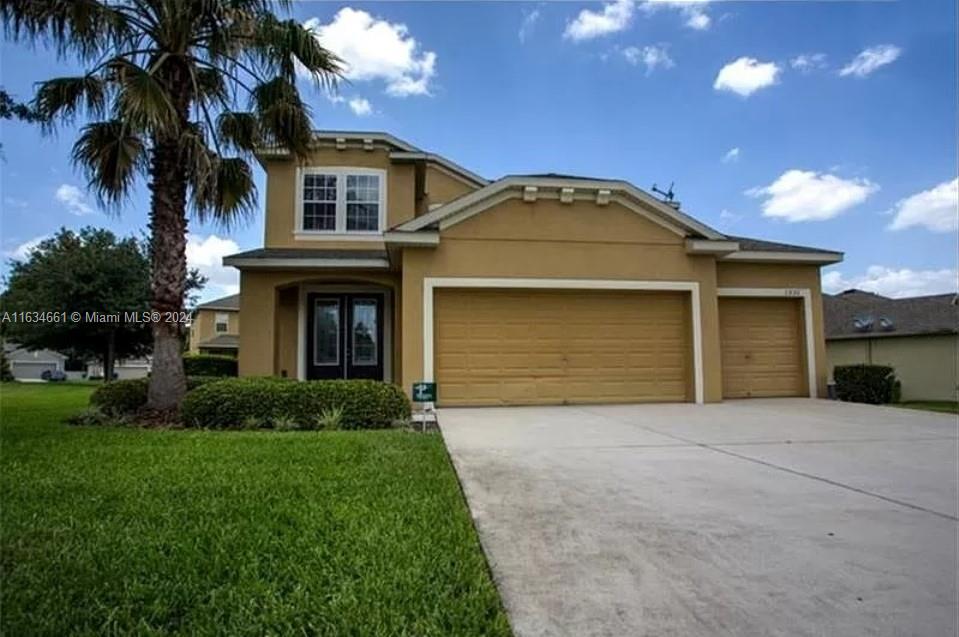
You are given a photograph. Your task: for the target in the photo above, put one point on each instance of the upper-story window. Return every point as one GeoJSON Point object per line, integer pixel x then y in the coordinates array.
{"type": "Point", "coordinates": [341, 201]}
{"type": "Point", "coordinates": [222, 322]}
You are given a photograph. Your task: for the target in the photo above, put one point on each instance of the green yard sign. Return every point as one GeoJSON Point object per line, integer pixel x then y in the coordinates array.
{"type": "Point", "coordinates": [424, 392]}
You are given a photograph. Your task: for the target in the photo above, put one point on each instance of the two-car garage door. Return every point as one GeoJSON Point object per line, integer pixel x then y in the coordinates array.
{"type": "Point", "coordinates": [534, 347]}
{"type": "Point", "coordinates": [517, 346]}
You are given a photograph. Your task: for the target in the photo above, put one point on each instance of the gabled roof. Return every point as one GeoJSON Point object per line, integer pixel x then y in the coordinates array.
{"type": "Point", "coordinates": [880, 316]}
{"type": "Point", "coordinates": [600, 190]}
{"type": "Point", "coordinates": [231, 302]}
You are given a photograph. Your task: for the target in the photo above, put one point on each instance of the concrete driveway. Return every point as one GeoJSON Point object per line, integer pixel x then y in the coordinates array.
{"type": "Point", "coordinates": [760, 517]}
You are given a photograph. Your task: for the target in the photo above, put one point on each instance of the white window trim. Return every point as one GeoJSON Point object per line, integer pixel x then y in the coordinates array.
{"type": "Point", "coordinates": [692, 287]}
{"type": "Point", "coordinates": [789, 293]}
{"type": "Point", "coordinates": [217, 322]}
{"type": "Point", "coordinates": [340, 232]}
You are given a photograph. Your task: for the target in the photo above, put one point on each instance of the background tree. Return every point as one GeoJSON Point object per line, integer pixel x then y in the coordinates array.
{"type": "Point", "coordinates": [87, 272]}
{"type": "Point", "coordinates": [182, 93]}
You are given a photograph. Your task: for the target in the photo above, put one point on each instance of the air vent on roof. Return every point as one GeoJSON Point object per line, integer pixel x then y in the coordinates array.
{"type": "Point", "coordinates": [863, 323]}
{"type": "Point", "coordinates": [886, 324]}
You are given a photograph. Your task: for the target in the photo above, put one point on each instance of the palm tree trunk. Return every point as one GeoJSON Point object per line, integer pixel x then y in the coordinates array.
{"type": "Point", "coordinates": [168, 229]}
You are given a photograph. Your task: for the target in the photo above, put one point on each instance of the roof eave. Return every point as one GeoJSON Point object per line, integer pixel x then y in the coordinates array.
{"type": "Point", "coordinates": [784, 256]}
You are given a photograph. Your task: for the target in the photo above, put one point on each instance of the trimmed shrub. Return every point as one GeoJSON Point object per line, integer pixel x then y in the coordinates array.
{"type": "Point", "coordinates": [126, 397]}
{"type": "Point", "coordinates": [872, 384]}
{"type": "Point", "coordinates": [209, 365]}
{"type": "Point", "coordinates": [229, 403]}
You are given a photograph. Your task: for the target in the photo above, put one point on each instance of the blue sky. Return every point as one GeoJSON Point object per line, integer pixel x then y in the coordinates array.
{"type": "Point", "coordinates": [831, 124]}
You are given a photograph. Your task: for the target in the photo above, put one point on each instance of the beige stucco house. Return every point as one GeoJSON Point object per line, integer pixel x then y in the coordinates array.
{"type": "Point", "coordinates": [916, 336]}
{"type": "Point", "coordinates": [382, 260]}
{"type": "Point", "coordinates": [215, 328]}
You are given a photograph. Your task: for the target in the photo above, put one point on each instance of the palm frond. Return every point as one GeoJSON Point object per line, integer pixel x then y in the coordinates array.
{"type": "Point", "coordinates": [239, 130]}
{"type": "Point", "coordinates": [284, 118]}
{"type": "Point", "coordinates": [80, 27]}
{"type": "Point", "coordinates": [228, 194]}
{"type": "Point", "coordinates": [63, 97]}
{"type": "Point", "coordinates": [111, 156]}
{"type": "Point", "coordinates": [142, 100]}
{"type": "Point", "coordinates": [284, 46]}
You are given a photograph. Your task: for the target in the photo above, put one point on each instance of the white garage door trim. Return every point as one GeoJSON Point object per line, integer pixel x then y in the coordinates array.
{"type": "Point", "coordinates": [790, 293]}
{"type": "Point", "coordinates": [431, 283]}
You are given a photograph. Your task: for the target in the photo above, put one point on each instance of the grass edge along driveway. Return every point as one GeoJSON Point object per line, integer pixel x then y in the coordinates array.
{"type": "Point", "coordinates": [116, 530]}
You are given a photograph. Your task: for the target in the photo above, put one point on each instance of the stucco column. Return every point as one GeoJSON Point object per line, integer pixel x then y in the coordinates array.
{"type": "Point", "coordinates": [414, 269]}
{"type": "Point", "coordinates": [257, 310]}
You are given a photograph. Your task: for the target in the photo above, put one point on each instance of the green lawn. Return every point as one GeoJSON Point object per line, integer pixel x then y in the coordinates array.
{"type": "Point", "coordinates": [122, 531]}
{"type": "Point", "coordinates": [944, 406]}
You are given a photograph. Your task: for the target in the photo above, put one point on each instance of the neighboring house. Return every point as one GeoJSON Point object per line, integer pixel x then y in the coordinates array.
{"type": "Point", "coordinates": [384, 261]}
{"type": "Point", "coordinates": [917, 336]}
{"type": "Point", "coordinates": [30, 365]}
{"type": "Point", "coordinates": [216, 327]}
{"type": "Point", "coordinates": [124, 369]}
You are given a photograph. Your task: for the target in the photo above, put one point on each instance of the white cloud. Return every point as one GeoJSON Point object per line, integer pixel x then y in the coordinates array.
{"type": "Point", "coordinates": [732, 155]}
{"type": "Point", "coordinates": [871, 59]}
{"type": "Point", "coordinates": [803, 195]}
{"type": "Point", "coordinates": [727, 218]}
{"type": "Point", "coordinates": [614, 17]}
{"type": "Point", "coordinates": [13, 202]}
{"type": "Point", "coordinates": [746, 75]}
{"type": "Point", "coordinates": [894, 283]}
{"type": "Point", "coordinates": [652, 57]}
{"type": "Point", "coordinates": [693, 10]}
{"type": "Point", "coordinates": [698, 20]}
{"type": "Point", "coordinates": [22, 251]}
{"type": "Point", "coordinates": [936, 209]}
{"type": "Point", "coordinates": [529, 23]}
{"type": "Point", "coordinates": [360, 106]}
{"type": "Point", "coordinates": [374, 49]}
{"type": "Point", "coordinates": [808, 62]}
{"type": "Point", "coordinates": [74, 199]}
{"type": "Point", "coordinates": [206, 254]}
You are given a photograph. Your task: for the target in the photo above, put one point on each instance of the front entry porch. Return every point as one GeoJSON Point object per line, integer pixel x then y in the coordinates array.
{"type": "Point", "coordinates": [336, 326]}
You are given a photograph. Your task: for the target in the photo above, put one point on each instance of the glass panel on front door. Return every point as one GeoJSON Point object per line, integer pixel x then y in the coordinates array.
{"type": "Point", "coordinates": [326, 327]}
{"type": "Point", "coordinates": [345, 336]}
{"type": "Point", "coordinates": [364, 332]}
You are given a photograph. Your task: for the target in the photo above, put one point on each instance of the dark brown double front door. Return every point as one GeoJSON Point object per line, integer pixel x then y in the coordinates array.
{"type": "Point", "coordinates": [344, 336]}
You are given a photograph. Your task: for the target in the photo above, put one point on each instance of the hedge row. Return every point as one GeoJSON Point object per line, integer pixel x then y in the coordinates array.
{"type": "Point", "coordinates": [239, 402]}
{"type": "Point", "coordinates": [209, 365]}
{"type": "Point", "coordinates": [872, 384]}
{"type": "Point", "coordinates": [126, 397]}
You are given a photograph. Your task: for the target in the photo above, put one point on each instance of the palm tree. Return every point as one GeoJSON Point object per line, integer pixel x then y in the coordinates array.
{"type": "Point", "coordinates": [180, 92]}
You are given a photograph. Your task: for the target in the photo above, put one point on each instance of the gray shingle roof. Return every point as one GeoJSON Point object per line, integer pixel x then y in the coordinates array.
{"type": "Point", "coordinates": [231, 302]}
{"type": "Point", "coordinates": [223, 341]}
{"type": "Point", "coordinates": [307, 253]}
{"type": "Point", "coordinates": [760, 245]}
{"type": "Point", "coordinates": [938, 314]}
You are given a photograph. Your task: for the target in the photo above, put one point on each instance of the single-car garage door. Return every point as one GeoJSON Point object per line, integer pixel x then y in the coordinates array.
{"type": "Point", "coordinates": [762, 347]}
{"type": "Point", "coordinates": [535, 347]}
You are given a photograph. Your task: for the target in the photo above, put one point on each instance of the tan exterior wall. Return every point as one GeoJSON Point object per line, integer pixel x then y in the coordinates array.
{"type": "Point", "coordinates": [763, 275]}
{"type": "Point", "coordinates": [270, 300]}
{"type": "Point", "coordinates": [545, 239]}
{"type": "Point", "coordinates": [548, 239]}
{"type": "Point", "coordinates": [203, 327]}
{"type": "Point", "coordinates": [281, 190]}
{"type": "Point", "coordinates": [925, 365]}
{"type": "Point", "coordinates": [441, 187]}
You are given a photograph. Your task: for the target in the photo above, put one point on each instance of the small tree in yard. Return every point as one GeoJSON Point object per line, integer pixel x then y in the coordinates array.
{"type": "Point", "coordinates": [90, 272]}
{"type": "Point", "coordinates": [164, 85]}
